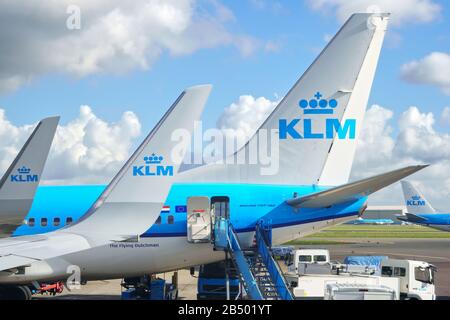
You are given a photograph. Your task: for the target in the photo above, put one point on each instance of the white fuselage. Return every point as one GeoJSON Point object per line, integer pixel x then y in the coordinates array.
{"type": "Point", "coordinates": [148, 256]}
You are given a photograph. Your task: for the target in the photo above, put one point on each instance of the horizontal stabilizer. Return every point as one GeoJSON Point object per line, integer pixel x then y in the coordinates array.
{"type": "Point", "coordinates": [409, 217]}
{"type": "Point", "coordinates": [352, 191]}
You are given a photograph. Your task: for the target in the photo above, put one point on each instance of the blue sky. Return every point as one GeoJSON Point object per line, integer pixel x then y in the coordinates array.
{"type": "Point", "coordinates": [138, 56]}
{"type": "Point", "coordinates": [299, 34]}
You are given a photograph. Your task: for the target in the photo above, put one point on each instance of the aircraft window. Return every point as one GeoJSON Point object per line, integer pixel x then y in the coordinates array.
{"type": "Point", "coordinates": [170, 219]}
{"type": "Point", "coordinates": [43, 222]}
{"type": "Point", "coordinates": [31, 222]}
{"type": "Point", "coordinates": [400, 272]}
{"type": "Point", "coordinates": [158, 221]}
{"type": "Point", "coordinates": [56, 221]}
{"type": "Point", "coordinates": [69, 220]}
{"type": "Point", "coordinates": [386, 271]}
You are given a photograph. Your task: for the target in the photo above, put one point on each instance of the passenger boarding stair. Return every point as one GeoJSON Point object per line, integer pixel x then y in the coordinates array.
{"type": "Point", "coordinates": [259, 272]}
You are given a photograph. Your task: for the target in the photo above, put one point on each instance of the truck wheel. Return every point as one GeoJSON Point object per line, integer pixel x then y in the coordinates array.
{"type": "Point", "coordinates": [27, 292]}
{"type": "Point", "coordinates": [15, 293]}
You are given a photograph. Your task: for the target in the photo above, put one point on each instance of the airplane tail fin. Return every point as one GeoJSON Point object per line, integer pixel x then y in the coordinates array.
{"type": "Point", "coordinates": [134, 198]}
{"type": "Point", "coordinates": [20, 181]}
{"type": "Point", "coordinates": [319, 120]}
{"type": "Point", "coordinates": [415, 201]}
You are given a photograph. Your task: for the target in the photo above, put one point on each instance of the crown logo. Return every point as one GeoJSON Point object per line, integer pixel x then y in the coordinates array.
{"type": "Point", "coordinates": [415, 198]}
{"type": "Point", "coordinates": [318, 105]}
{"type": "Point", "coordinates": [24, 170]}
{"type": "Point", "coordinates": [153, 159]}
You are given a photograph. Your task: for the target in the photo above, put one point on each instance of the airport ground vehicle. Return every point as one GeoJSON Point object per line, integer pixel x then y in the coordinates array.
{"type": "Point", "coordinates": [314, 286]}
{"type": "Point", "coordinates": [362, 264]}
{"type": "Point", "coordinates": [52, 288]}
{"type": "Point", "coordinates": [416, 278]}
{"type": "Point", "coordinates": [358, 292]}
{"type": "Point", "coordinates": [282, 252]}
{"type": "Point", "coordinates": [411, 280]}
{"type": "Point", "coordinates": [212, 282]}
{"type": "Point", "coordinates": [298, 260]}
{"type": "Point", "coordinates": [145, 288]}
{"type": "Point", "coordinates": [319, 256]}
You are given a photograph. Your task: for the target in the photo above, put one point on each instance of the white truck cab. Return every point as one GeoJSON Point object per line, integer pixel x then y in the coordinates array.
{"type": "Point", "coordinates": [310, 272]}
{"type": "Point", "coordinates": [416, 278]}
{"type": "Point", "coordinates": [307, 256]}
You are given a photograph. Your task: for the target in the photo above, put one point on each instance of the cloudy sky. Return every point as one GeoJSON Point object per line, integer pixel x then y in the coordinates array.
{"type": "Point", "coordinates": [113, 78]}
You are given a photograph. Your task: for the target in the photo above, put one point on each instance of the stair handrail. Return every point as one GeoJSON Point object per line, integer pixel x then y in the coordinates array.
{"type": "Point", "coordinates": [276, 274]}
{"type": "Point", "coordinates": [249, 280]}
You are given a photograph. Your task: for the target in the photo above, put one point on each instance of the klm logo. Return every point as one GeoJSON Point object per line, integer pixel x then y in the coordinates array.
{"type": "Point", "coordinates": [317, 106]}
{"type": "Point", "coordinates": [24, 175]}
{"type": "Point", "coordinates": [415, 201]}
{"type": "Point", "coordinates": [153, 167]}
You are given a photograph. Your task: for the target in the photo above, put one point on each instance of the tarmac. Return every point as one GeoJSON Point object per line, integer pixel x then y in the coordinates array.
{"type": "Point", "coordinates": [435, 251]}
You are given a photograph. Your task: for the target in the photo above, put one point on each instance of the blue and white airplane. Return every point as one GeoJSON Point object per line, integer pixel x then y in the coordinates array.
{"type": "Point", "coordinates": [420, 211]}
{"type": "Point", "coordinates": [373, 221]}
{"type": "Point", "coordinates": [153, 217]}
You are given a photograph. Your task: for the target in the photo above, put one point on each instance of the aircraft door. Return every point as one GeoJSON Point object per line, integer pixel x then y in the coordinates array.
{"type": "Point", "coordinates": [198, 220]}
{"type": "Point", "coordinates": [220, 208]}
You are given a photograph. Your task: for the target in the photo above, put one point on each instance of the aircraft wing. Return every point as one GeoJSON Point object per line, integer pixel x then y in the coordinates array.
{"type": "Point", "coordinates": [22, 251]}
{"type": "Point", "coordinates": [352, 191]}
{"type": "Point", "coordinates": [12, 261]}
{"type": "Point", "coordinates": [20, 181]}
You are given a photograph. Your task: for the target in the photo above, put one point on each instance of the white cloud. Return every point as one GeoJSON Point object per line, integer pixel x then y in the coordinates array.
{"type": "Point", "coordinates": [445, 117]}
{"type": "Point", "coordinates": [403, 11]}
{"type": "Point", "coordinates": [243, 117]}
{"type": "Point", "coordinates": [416, 142]}
{"type": "Point", "coordinates": [419, 140]}
{"type": "Point", "coordinates": [433, 69]}
{"type": "Point", "coordinates": [376, 134]}
{"type": "Point", "coordinates": [11, 137]}
{"type": "Point", "coordinates": [86, 150]}
{"type": "Point", "coordinates": [115, 36]}
{"type": "Point", "coordinates": [273, 6]}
